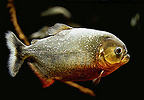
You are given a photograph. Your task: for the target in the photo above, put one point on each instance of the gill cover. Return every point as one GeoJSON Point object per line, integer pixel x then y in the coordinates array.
{"type": "Point", "coordinates": [113, 50]}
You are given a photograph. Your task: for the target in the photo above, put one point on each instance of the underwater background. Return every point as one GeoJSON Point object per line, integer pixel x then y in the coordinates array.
{"type": "Point", "coordinates": [125, 19]}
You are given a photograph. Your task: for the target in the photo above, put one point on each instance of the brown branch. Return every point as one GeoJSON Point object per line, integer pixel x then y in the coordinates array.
{"type": "Point", "coordinates": [81, 88]}
{"type": "Point", "coordinates": [12, 12]}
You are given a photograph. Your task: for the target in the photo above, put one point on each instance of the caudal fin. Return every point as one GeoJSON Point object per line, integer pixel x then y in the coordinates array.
{"type": "Point", "coordinates": [15, 46]}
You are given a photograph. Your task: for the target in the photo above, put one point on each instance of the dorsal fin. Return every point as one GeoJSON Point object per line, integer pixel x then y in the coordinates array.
{"type": "Point", "coordinates": [57, 28]}
{"type": "Point", "coordinates": [49, 31]}
{"type": "Point", "coordinates": [34, 41]}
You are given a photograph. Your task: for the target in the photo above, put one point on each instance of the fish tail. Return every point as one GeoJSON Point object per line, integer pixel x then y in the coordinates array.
{"type": "Point", "coordinates": [15, 59]}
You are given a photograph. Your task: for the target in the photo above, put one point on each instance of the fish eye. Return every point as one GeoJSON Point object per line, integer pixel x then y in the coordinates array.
{"type": "Point", "coordinates": [118, 50]}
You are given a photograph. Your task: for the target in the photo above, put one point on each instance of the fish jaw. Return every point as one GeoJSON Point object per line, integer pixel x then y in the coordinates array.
{"type": "Point", "coordinates": [109, 68]}
{"type": "Point", "coordinates": [125, 59]}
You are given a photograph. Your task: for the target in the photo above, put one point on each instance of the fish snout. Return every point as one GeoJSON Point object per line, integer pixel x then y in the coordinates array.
{"type": "Point", "coordinates": [125, 59]}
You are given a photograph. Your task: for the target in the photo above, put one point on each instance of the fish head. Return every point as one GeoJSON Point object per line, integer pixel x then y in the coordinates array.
{"type": "Point", "coordinates": [112, 55]}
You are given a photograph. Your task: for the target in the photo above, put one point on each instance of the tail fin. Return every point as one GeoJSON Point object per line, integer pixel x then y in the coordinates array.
{"type": "Point", "coordinates": [15, 46]}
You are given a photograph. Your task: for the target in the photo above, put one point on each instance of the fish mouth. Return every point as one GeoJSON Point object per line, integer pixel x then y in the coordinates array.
{"type": "Point", "coordinates": [125, 59]}
{"type": "Point", "coordinates": [111, 68]}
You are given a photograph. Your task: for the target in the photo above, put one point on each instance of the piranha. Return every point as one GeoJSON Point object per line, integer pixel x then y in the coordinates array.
{"type": "Point", "coordinates": [68, 54]}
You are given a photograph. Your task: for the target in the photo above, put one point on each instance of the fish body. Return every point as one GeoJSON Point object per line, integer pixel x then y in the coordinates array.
{"type": "Point", "coordinates": [69, 54]}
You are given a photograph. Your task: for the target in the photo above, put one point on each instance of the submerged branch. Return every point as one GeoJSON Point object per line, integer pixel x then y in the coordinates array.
{"type": "Point", "coordinates": [12, 12]}
{"type": "Point", "coordinates": [81, 88]}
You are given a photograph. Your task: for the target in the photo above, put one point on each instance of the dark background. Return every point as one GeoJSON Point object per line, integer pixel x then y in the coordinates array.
{"type": "Point", "coordinates": [111, 16]}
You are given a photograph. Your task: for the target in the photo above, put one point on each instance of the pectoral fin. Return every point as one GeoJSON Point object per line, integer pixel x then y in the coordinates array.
{"type": "Point", "coordinates": [97, 80]}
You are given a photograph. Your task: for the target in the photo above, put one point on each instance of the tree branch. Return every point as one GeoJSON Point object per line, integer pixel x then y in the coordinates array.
{"type": "Point", "coordinates": [81, 88]}
{"type": "Point", "coordinates": [12, 12]}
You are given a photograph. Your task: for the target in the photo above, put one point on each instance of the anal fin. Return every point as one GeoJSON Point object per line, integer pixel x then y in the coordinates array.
{"type": "Point", "coordinates": [45, 81]}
